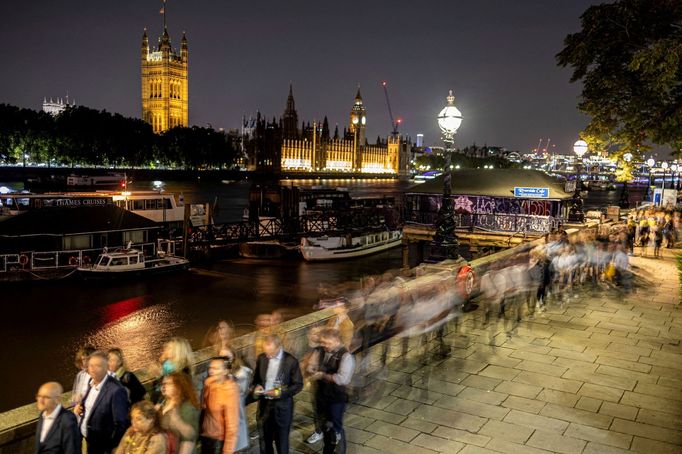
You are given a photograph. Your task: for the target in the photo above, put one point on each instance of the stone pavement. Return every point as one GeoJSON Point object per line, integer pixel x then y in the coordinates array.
{"type": "Point", "coordinates": [603, 374]}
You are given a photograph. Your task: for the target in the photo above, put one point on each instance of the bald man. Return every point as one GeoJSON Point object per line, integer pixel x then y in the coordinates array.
{"type": "Point", "coordinates": [57, 430]}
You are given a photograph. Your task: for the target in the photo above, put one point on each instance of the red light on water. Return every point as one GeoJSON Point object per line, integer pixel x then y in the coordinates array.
{"type": "Point", "coordinates": [120, 309]}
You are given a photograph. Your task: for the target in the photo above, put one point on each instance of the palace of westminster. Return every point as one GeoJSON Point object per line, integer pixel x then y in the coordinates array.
{"type": "Point", "coordinates": [275, 146]}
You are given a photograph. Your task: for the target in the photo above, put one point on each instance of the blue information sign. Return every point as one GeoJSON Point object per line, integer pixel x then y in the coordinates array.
{"type": "Point", "coordinates": [532, 193]}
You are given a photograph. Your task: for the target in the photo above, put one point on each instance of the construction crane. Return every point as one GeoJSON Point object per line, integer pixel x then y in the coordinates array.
{"type": "Point", "coordinates": [394, 123]}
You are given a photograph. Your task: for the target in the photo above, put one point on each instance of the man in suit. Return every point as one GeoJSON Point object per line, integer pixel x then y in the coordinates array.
{"type": "Point", "coordinates": [57, 429]}
{"type": "Point", "coordinates": [276, 381]}
{"type": "Point", "coordinates": [104, 409]}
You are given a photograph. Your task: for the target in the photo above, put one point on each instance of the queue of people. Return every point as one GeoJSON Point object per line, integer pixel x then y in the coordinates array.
{"type": "Point", "coordinates": [186, 412]}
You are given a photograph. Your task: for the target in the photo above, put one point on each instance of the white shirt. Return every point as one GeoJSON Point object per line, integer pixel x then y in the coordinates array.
{"type": "Point", "coordinates": [80, 385]}
{"type": "Point", "coordinates": [90, 402]}
{"type": "Point", "coordinates": [273, 370]}
{"type": "Point", "coordinates": [48, 421]}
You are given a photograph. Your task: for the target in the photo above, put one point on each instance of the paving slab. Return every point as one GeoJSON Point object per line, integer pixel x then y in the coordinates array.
{"type": "Point", "coordinates": [601, 375]}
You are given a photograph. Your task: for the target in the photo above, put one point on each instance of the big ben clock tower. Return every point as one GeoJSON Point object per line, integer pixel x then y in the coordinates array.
{"type": "Point", "coordinates": [358, 120]}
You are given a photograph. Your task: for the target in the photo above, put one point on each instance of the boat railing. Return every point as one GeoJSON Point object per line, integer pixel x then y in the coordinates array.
{"type": "Point", "coordinates": [46, 260]}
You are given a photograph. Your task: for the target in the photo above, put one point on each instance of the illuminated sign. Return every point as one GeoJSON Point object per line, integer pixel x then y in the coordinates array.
{"type": "Point", "coordinates": [76, 202]}
{"type": "Point", "coordinates": [531, 193]}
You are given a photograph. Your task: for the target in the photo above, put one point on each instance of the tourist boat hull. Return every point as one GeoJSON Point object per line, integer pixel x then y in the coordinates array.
{"type": "Point", "coordinates": [151, 267]}
{"type": "Point", "coordinates": [341, 248]}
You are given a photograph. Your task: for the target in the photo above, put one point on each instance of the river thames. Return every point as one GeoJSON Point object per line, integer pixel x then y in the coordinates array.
{"type": "Point", "coordinates": [44, 323]}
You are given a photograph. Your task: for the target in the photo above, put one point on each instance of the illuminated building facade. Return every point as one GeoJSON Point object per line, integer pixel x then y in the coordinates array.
{"type": "Point", "coordinates": [311, 149]}
{"type": "Point", "coordinates": [164, 83]}
{"type": "Point", "coordinates": [54, 108]}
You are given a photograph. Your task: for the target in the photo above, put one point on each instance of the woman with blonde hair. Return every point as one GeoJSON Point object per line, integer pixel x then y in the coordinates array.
{"type": "Point", "coordinates": [144, 435]}
{"type": "Point", "coordinates": [176, 356]}
{"type": "Point", "coordinates": [179, 411]}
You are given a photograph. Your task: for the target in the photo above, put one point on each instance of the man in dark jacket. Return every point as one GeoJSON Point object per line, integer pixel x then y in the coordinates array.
{"type": "Point", "coordinates": [57, 429]}
{"type": "Point", "coordinates": [332, 367]}
{"type": "Point", "coordinates": [276, 381]}
{"type": "Point", "coordinates": [104, 409]}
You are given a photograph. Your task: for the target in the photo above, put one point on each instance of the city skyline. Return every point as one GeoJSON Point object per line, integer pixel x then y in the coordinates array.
{"type": "Point", "coordinates": [498, 58]}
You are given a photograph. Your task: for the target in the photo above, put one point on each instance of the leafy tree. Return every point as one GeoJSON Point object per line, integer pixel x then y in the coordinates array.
{"type": "Point", "coordinates": [628, 55]}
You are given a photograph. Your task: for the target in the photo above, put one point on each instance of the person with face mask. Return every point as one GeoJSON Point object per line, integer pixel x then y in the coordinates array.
{"type": "Point", "coordinates": [176, 356]}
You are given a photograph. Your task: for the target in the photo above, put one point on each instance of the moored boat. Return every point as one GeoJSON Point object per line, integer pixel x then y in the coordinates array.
{"type": "Point", "coordinates": [131, 262]}
{"type": "Point", "coordinates": [325, 248]}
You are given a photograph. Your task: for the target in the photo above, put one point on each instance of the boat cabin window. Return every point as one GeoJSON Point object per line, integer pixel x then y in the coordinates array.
{"type": "Point", "coordinates": [102, 260]}
{"type": "Point", "coordinates": [133, 260]}
{"type": "Point", "coordinates": [138, 204]}
{"type": "Point", "coordinates": [119, 261]}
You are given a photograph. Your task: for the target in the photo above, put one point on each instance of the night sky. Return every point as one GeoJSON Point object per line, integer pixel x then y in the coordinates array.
{"type": "Point", "coordinates": [497, 56]}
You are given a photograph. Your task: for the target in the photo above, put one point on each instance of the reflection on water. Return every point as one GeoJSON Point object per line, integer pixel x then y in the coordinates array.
{"type": "Point", "coordinates": [137, 330]}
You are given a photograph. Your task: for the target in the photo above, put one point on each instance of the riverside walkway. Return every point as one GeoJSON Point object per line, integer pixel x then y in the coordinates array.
{"type": "Point", "coordinates": [601, 375]}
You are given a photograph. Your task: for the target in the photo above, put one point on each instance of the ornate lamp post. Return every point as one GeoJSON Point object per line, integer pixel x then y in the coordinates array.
{"type": "Point", "coordinates": [673, 170]}
{"type": "Point", "coordinates": [664, 166]}
{"type": "Point", "coordinates": [651, 162]}
{"type": "Point", "coordinates": [625, 194]}
{"type": "Point", "coordinates": [445, 244]}
{"type": "Point", "coordinates": [576, 211]}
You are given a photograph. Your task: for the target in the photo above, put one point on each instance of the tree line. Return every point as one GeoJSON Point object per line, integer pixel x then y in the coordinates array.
{"type": "Point", "coordinates": [88, 137]}
{"type": "Point", "coordinates": [628, 58]}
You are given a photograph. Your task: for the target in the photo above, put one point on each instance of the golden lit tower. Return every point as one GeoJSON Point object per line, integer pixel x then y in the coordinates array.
{"type": "Point", "coordinates": [358, 119]}
{"type": "Point", "coordinates": [164, 83]}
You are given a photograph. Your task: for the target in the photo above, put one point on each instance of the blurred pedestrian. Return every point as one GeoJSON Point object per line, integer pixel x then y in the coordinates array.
{"type": "Point", "coordinates": [80, 383]}
{"type": "Point", "coordinates": [220, 421]}
{"type": "Point", "coordinates": [145, 435]}
{"type": "Point", "coordinates": [333, 370]}
{"type": "Point", "coordinates": [57, 429]}
{"type": "Point", "coordinates": [179, 411]}
{"type": "Point", "coordinates": [128, 379]}
{"type": "Point", "coordinates": [176, 356]}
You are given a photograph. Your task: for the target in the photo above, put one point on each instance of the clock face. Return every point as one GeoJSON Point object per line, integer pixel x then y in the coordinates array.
{"type": "Point", "coordinates": [364, 120]}
{"type": "Point", "coordinates": [355, 120]}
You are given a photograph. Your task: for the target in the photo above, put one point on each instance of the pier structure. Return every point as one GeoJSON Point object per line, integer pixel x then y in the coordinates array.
{"type": "Point", "coordinates": [494, 209]}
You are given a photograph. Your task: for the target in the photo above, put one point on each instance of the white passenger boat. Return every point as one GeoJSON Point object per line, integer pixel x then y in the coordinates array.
{"type": "Point", "coordinates": [350, 246]}
{"type": "Point", "coordinates": [112, 180]}
{"type": "Point", "coordinates": [131, 262]}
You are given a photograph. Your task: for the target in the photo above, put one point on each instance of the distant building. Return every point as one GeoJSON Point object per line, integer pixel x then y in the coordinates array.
{"type": "Point", "coordinates": [420, 140]}
{"type": "Point", "coordinates": [313, 149]}
{"type": "Point", "coordinates": [164, 83]}
{"type": "Point", "coordinates": [56, 107]}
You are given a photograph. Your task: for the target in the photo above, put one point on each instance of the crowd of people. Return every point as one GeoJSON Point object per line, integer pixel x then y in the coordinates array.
{"type": "Point", "coordinates": [185, 411]}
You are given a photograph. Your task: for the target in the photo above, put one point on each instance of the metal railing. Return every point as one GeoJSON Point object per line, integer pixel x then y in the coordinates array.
{"type": "Point", "coordinates": [46, 260]}
{"type": "Point", "coordinates": [490, 222]}
{"type": "Point", "coordinates": [311, 223]}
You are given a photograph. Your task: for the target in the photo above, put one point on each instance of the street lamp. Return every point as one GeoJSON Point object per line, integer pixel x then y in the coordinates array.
{"type": "Point", "coordinates": [625, 194]}
{"type": "Point", "coordinates": [445, 244]}
{"type": "Point", "coordinates": [664, 166]}
{"type": "Point", "coordinates": [673, 170]}
{"type": "Point", "coordinates": [651, 162]}
{"type": "Point", "coordinates": [576, 211]}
